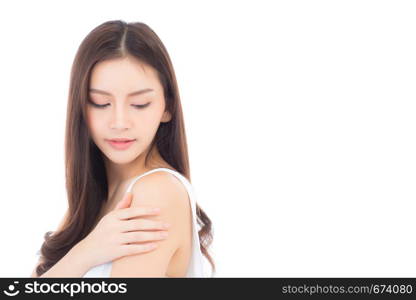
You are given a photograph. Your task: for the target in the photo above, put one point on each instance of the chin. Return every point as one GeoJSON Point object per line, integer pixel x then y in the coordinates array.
{"type": "Point", "coordinates": [123, 157]}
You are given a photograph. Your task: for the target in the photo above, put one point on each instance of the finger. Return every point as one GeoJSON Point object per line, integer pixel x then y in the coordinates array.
{"type": "Point", "coordinates": [130, 212]}
{"type": "Point", "coordinates": [143, 224]}
{"type": "Point", "coordinates": [125, 202]}
{"type": "Point", "coordinates": [136, 249]}
{"type": "Point", "coordinates": [143, 236]}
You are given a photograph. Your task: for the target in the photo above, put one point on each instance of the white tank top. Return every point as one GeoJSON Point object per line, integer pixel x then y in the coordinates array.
{"type": "Point", "coordinates": [196, 264]}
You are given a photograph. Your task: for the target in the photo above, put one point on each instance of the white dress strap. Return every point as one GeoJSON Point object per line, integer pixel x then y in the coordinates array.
{"type": "Point", "coordinates": [185, 182]}
{"type": "Point", "coordinates": [196, 264]}
{"type": "Point", "coordinates": [149, 172]}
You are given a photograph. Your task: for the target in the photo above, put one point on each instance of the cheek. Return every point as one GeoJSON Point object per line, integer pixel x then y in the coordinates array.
{"type": "Point", "coordinates": [150, 121]}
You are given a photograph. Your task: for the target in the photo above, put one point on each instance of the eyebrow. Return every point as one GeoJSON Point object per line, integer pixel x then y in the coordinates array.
{"type": "Point", "coordinates": [131, 94]}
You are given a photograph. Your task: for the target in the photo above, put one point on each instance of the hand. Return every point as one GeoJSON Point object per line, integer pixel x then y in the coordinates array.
{"type": "Point", "coordinates": [114, 235]}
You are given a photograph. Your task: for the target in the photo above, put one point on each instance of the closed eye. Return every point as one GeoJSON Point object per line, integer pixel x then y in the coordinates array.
{"type": "Point", "coordinates": [141, 105]}
{"type": "Point", "coordinates": [138, 106]}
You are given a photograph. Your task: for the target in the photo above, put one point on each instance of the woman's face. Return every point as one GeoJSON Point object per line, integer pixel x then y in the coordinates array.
{"type": "Point", "coordinates": [112, 84]}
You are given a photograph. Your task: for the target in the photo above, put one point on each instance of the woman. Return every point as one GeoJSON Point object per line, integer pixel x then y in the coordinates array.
{"type": "Point", "coordinates": [125, 123]}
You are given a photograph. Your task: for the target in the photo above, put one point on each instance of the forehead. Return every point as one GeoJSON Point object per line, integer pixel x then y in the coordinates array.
{"type": "Point", "coordinates": [123, 75]}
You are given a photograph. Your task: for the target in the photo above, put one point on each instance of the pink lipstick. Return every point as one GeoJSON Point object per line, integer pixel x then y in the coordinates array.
{"type": "Point", "coordinates": [121, 144]}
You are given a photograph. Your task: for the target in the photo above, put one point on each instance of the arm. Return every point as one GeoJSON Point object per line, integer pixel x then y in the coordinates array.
{"type": "Point", "coordinates": [159, 189]}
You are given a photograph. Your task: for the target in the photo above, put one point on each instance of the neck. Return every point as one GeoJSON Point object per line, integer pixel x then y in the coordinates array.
{"type": "Point", "coordinates": [120, 174]}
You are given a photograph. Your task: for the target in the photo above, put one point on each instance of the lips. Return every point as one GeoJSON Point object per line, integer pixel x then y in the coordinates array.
{"type": "Point", "coordinates": [120, 144]}
{"type": "Point", "coordinates": [121, 140]}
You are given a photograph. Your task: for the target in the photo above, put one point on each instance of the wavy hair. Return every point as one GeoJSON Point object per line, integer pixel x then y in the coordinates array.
{"type": "Point", "coordinates": [86, 182]}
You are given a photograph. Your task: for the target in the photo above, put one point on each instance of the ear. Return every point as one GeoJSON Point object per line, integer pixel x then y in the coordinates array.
{"type": "Point", "coordinates": [166, 116]}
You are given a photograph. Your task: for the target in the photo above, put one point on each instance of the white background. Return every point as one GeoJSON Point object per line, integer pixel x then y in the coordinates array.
{"type": "Point", "coordinates": [300, 118]}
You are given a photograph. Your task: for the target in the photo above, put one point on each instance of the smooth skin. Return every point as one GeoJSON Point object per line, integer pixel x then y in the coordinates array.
{"type": "Point", "coordinates": [118, 234]}
{"type": "Point", "coordinates": [119, 86]}
{"type": "Point", "coordinates": [115, 86]}
{"type": "Point", "coordinates": [121, 233]}
{"type": "Point", "coordinates": [172, 255]}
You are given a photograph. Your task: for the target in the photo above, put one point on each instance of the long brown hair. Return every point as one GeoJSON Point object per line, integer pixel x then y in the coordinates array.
{"type": "Point", "coordinates": [86, 181]}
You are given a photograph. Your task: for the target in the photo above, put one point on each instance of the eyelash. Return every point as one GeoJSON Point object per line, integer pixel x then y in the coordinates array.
{"type": "Point", "coordinates": [138, 106]}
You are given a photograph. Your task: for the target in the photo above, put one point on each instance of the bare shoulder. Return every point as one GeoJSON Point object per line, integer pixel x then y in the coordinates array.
{"type": "Point", "coordinates": [166, 191]}
{"type": "Point", "coordinates": [160, 188]}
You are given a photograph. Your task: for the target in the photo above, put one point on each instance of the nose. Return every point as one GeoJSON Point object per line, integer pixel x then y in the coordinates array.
{"type": "Point", "coordinates": [120, 118]}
